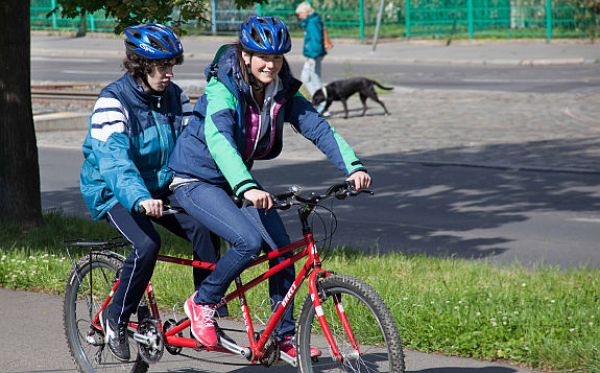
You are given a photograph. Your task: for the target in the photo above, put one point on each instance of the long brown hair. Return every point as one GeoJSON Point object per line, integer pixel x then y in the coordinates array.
{"type": "Point", "coordinates": [238, 52]}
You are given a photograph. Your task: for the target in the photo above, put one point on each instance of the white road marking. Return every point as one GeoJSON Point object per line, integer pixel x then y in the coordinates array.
{"type": "Point", "coordinates": [586, 220]}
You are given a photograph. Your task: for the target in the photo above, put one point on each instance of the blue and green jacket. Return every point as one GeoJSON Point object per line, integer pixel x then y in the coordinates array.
{"type": "Point", "coordinates": [313, 36]}
{"type": "Point", "coordinates": [130, 138]}
{"type": "Point", "coordinates": [220, 144]}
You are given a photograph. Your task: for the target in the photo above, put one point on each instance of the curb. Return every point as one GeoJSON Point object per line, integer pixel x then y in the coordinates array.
{"type": "Point", "coordinates": [61, 121]}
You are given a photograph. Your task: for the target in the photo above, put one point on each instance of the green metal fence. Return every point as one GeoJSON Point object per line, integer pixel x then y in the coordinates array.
{"type": "Point", "coordinates": [401, 18]}
{"type": "Point", "coordinates": [39, 10]}
{"type": "Point", "coordinates": [496, 18]}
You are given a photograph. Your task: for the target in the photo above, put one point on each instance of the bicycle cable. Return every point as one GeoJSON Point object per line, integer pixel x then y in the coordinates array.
{"type": "Point", "coordinates": [328, 232]}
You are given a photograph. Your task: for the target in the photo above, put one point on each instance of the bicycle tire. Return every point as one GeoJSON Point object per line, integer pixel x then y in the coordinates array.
{"type": "Point", "coordinates": [76, 316]}
{"type": "Point", "coordinates": [372, 323]}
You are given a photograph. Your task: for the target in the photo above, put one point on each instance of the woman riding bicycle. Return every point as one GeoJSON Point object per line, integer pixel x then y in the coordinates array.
{"type": "Point", "coordinates": [132, 132]}
{"type": "Point", "coordinates": [249, 95]}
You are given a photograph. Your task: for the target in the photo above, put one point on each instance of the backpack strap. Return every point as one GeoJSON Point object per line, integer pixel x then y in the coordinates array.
{"type": "Point", "coordinates": [214, 65]}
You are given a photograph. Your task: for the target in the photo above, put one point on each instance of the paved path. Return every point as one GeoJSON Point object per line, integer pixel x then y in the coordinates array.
{"type": "Point", "coordinates": [558, 132]}
{"type": "Point", "coordinates": [35, 342]}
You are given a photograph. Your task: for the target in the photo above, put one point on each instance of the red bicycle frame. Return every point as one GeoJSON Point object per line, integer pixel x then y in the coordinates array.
{"type": "Point", "coordinates": [311, 270]}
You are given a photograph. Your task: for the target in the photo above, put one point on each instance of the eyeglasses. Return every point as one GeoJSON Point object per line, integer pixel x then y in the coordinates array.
{"type": "Point", "coordinates": [164, 66]}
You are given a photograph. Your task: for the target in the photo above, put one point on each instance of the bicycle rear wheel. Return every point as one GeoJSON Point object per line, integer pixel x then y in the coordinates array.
{"type": "Point", "coordinates": [82, 304]}
{"type": "Point", "coordinates": [372, 325]}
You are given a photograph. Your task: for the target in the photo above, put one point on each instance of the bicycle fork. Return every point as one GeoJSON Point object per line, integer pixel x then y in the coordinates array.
{"type": "Point", "coordinates": [339, 307]}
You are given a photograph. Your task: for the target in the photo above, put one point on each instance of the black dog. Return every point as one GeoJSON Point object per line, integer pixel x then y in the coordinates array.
{"type": "Point", "coordinates": [340, 90]}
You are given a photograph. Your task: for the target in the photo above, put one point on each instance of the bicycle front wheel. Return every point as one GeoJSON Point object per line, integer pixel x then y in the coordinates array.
{"type": "Point", "coordinates": [372, 328]}
{"type": "Point", "coordinates": [83, 300]}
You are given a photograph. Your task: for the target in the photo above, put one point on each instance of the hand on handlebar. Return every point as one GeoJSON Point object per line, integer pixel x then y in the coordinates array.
{"type": "Point", "coordinates": [259, 198]}
{"type": "Point", "coordinates": [361, 180]}
{"type": "Point", "coordinates": [152, 207]}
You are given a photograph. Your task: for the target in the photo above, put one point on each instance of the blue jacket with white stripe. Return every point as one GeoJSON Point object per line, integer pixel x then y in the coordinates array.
{"type": "Point", "coordinates": [129, 142]}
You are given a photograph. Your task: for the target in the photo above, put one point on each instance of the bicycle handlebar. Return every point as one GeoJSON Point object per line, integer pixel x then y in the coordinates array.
{"type": "Point", "coordinates": [284, 201]}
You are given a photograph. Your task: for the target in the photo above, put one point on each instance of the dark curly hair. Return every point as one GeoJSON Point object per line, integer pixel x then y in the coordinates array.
{"type": "Point", "coordinates": [139, 67]}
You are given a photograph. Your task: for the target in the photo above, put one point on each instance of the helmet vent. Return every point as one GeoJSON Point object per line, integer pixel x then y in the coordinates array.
{"type": "Point", "coordinates": [279, 35]}
{"type": "Point", "coordinates": [254, 35]}
{"type": "Point", "coordinates": [155, 43]}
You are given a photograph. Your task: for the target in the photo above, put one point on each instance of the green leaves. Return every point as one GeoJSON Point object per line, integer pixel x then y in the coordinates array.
{"type": "Point", "coordinates": [133, 12]}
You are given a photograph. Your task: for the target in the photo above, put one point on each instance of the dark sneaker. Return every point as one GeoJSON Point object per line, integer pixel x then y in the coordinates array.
{"type": "Point", "coordinates": [115, 336]}
{"type": "Point", "coordinates": [288, 346]}
{"type": "Point", "coordinates": [202, 318]}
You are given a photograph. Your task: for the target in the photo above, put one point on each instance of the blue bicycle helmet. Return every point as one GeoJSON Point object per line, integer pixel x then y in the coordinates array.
{"type": "Point", "coordinates": [267, 35]}
{"type": "Point", "coordinates": [152, 41]}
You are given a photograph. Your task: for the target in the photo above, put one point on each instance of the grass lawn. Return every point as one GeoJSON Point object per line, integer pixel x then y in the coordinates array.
{"type": "Point", "coordinates": [540, 317]}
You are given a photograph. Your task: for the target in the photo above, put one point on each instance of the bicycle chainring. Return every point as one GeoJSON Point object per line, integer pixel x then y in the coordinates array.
{"type": "Point", "coordinates": [169, 324]}
{"type": "Point", "coordinates": [152, 349]}
{"type": "Point", "coordinates": [271, 350]}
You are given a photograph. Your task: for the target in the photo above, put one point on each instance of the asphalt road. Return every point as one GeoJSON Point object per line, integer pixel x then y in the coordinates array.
{"type": "Point", "coordinates": [542, 79]}
{"type": "Point", "coordinates": [466, 212]}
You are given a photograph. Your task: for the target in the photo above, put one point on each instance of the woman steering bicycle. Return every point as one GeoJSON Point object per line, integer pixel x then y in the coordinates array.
{"type": "Point", "coordinates": [249, 95]}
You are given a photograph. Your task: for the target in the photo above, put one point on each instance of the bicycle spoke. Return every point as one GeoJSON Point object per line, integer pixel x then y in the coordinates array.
{"type": "Point", "coordinates": [371, 325]}
{"type": "Point", "coordinates": [82, 304]}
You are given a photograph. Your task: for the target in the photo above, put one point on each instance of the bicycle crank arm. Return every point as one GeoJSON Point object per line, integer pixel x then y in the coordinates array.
{"type": "Point", "coordinates": [288, 359]}
{"type": "Point", "coordinates": [143, 339]}
{"type": "Point", "coordinates": [235, 348]}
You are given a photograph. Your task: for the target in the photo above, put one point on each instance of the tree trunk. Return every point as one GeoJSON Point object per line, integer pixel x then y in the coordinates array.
{"type": "Point", "coordinates": [19, 170]}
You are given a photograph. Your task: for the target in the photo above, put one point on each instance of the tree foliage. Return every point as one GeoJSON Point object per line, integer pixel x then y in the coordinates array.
{"type": "Point", "coordinates": [132, 12]}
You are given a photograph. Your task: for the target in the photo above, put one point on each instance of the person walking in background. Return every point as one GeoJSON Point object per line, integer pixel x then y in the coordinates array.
{"type": "Point", "coordinates": [316, 44]}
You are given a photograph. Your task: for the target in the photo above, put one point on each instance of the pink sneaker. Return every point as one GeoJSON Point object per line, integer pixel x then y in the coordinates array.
{"type": "Point", "coordinates": [202, 321]}
{"type": "Point", "coordinates": [288, 346]}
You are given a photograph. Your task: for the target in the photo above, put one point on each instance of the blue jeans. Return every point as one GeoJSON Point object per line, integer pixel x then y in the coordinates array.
{"type": "Point", "coordinates": [311, 74]}
{"type": "Point", "coordinates": [139, 265]}
{"type": "Point", "coordinates": [248, 230]}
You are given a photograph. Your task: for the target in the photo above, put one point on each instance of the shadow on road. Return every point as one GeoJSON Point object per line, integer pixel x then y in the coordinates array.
{"type": "Point", "coordinates": [432, 209]}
